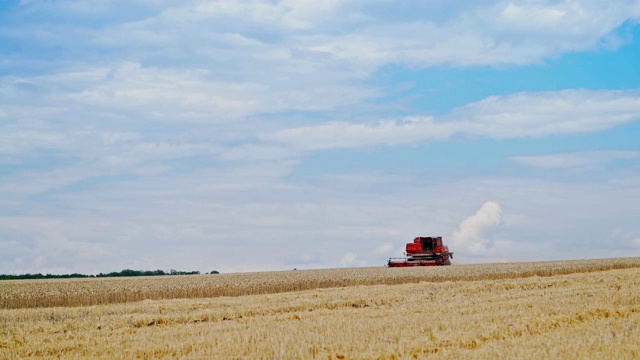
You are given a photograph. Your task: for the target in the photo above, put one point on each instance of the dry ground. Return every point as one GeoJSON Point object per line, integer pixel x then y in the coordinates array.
{"type": "Point", "coordinates": [582, 315]}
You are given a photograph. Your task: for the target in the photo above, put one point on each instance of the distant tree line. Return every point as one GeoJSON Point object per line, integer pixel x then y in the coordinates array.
{"type": "Point", "coordinates": [40, 276]}
{"type": "Point", "coordinates": [125, 272]}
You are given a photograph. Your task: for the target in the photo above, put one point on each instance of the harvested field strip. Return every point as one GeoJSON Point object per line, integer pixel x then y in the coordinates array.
{"type": "Point", "coordinates": [16, 294]}
{"type": "Point", "coordinates": [575, 316]}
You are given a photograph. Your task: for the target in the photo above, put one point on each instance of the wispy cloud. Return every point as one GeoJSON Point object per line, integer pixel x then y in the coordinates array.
{"type": "Point", "coordinates": [499, 117]}
{"type": "Point", "coordinates": [577, 160]}
{"type": "Point", "coordinates": [335, 37]}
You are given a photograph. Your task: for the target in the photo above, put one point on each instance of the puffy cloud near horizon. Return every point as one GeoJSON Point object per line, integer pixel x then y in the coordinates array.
{"type": "Point", "coordinates": [351, 260]}
{"type": "Point", "coordinates": [473, 237]}
{"type": "Point", "coordinates": [385, 249]}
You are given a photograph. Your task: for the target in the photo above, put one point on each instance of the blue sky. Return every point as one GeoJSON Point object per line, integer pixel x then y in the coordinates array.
{"type": "Point", "coordinates": [270, 135]}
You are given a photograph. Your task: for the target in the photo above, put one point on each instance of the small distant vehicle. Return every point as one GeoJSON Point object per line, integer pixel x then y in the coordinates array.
{"type": "Point", "coordinates": [424, 251]}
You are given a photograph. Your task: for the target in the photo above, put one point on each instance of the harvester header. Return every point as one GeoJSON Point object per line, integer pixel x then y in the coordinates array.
{"type": "Point", "coordinates": [424, 251]}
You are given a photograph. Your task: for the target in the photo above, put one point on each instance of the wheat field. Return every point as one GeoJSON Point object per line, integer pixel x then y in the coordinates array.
{"type": "Point", "coordinates": [15, 294]}
{"type": "Point", "coordinates": [585, 310]}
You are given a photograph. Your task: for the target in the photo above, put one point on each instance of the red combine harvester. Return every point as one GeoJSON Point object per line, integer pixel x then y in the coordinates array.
{"type": "Point", "coordinates": [424, 251]}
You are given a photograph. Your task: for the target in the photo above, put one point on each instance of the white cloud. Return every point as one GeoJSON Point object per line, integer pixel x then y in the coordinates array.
{"type": "Point", "coordinates": [168, 95]}
{"type": "Point", "coordinates": [351, 260]}
{"type": "Point", "coordinates": [333, 38]}
{"type": "Point", "coordinates": [550, 113]}
{"type": "Point", "coordinates": [271, 57]}
{"type": "Point", "coordinates": [111, 138]}
{"type": "Point", "coordinates": [576, 160]}
{"type": "Point", "coordinates": [17, 139]}
{"type": "Point", "coordinates": [121, 92]}
{"type": "Point", "coordinates": [473, 238]}
{"type": "Point", "coordinates": [484, 33]}
{"type": "Point", "coordinates": [255, 152]}
{"type": "Point", "coordinates": [385, 249]}
{"type": "Point", "coordinates": [511, 116]}
{"type": "Point", "coordinates": [519, 115]}
{"type": "Point", "coordinates": [346, 135]}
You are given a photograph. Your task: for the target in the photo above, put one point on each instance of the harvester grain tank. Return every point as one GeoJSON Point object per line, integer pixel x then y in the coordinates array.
{"type": "Point", "coordinates": [424, 251]}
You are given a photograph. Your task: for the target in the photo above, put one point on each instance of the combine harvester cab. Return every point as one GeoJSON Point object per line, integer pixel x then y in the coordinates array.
{"type": "Point", "coordinates": [424, 251]}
